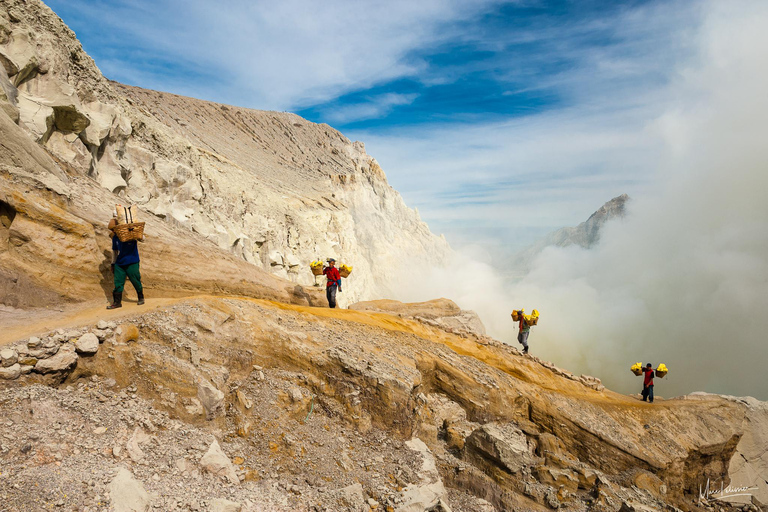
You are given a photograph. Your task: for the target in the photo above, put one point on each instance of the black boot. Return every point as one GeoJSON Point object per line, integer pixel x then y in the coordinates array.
{"type": "Point", "coordinates": [525, 350]}
{"type": "Point", "coordinates": [117, 300]}
{"type": "Point", "coordinates": [141, 298]}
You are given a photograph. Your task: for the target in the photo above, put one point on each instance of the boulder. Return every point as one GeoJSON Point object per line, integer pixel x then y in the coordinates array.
{"type": "Point", "coordinates": [587, 478]}
{"type": "Point", "coordinates": [503, 444]}
{"type": "Point", "coordinates": [20, 58]}
{"type": "Point", "coordinates": [429, 492]}
{"type": "Point", "coordinates": [43, 350]}
{"type": "Point", "coordinates": [46, 91]}
{"type": "Point", "coordinates": [351, 496]}
{"type": "Point", "coordinates": [8, 357]}
{"type": "Point", "coordinates": [8, 96]}
{"type": "Point", "coordinates": [553, 450]}
{"type": "Point", "coordinates": [133, 446]}
{"type": "Point", "coordinates": [651, 483]}
{"type": "Point", "coordinates": [418, 498]}
{"type": "Point", "coordinates": [222, 505]}
{"type": "Point", "coordinates": [127, 494]}
{"type": "Point", "coordinates": [10, 372]}
{"type": "Point", "coordinates": [64, 360]}
{"type": "Point", "coordinates": [101, 117]}
{"type": "Point", "coordinates": [70, 149]}
{"type": "Point", "coordinates": [109, 172]}
{"type": "Point", "coordinates": [216, 462]}
{"type": "Point", "coordinates": [558, 477]}
{"type": "Point", "coordinates": [36, 118]}
{"type": "Point", "coordinates": [101, 335]}
{"type": "Point", "coordinates": [87, 344]}
{"type": "Point", "coordinates": [7, 63]}
{"type": "Point", "coordinates": [211, 398]}
{"type": "Point", "coordinates": [243, 400]}
{"type": "Point", "coordinates": [121, 127]}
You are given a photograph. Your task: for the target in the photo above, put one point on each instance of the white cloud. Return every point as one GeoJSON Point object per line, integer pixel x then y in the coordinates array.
{"type": "Point", "coordinates": [372, 108]}
{"type": "Point", "coordinates": [275, 55]}
{"type": "Point", "coordinates": [683, 279]}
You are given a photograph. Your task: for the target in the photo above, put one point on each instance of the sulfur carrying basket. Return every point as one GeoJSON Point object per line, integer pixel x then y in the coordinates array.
{"type": "Point", "coordinates": [129, 232]}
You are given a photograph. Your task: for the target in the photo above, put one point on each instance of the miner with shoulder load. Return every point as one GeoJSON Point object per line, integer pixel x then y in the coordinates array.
{"type": "Point", "coordinates": [333, 282]}
{"type": "Point", "coordinates": [125, 264]}
{"type": "Point", "coordinates": [648, 374]}
{"type": "Point", "coordinates": [525, 322]}
{"type": "Point", "coordinates": [333, 277]}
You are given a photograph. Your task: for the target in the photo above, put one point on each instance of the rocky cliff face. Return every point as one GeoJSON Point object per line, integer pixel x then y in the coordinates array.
{"type": "Point", "coordinates": [271, 188]}
{"type": "Point", "coordinates": [585, 235]}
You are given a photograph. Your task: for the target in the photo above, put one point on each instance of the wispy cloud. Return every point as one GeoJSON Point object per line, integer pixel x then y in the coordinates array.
{"type": "Point", "coordinates": [371, 108]}
{"type": "Point", "coordinates": [270, 55]}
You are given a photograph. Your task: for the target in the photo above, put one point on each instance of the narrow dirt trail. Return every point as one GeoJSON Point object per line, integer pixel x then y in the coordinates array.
{"type": "Point", "coordinates": [18, 324]}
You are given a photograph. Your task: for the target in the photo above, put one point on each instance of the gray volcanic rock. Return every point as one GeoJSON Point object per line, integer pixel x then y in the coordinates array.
{"type": "Point", "coordinates": [585, 235]}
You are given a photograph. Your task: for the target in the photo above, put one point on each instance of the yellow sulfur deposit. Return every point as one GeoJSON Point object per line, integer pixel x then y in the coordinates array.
{"type": "Point", "coordinates": [661, 371]}
{"type": "Point", "coordinates": [316, 267]}
{"type": "Point", "coordinates": [637, 368]}
{"type": "Point", "coordinates": [345, 270]}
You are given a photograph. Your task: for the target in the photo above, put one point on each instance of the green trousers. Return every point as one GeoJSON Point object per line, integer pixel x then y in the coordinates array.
{"type": "Point", "coordinates": [132, 273]}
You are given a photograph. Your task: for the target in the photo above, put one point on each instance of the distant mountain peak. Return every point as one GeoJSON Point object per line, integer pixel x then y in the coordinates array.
{"type": "Point", "coordinates": [585, 235]}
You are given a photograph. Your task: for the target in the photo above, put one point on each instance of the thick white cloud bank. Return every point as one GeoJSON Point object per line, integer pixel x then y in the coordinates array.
{"type": "Point", "coordinates": [683, 279]}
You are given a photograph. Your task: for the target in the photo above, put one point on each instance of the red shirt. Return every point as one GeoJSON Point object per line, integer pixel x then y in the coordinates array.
{"type": "Point", "coordinates": [648, 379]}
{"type": "Point", "coordinates": [332, 273]}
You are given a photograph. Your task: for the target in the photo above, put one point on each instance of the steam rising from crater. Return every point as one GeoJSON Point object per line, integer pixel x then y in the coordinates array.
{"type": "Point", "coordinates": [683, 279]}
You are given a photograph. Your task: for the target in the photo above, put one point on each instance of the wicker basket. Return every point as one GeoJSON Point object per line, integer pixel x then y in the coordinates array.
{"type": "Point", "coordinates": [661, 373]}
{"type": "Point", "coordinates": [318, 271]}
{"type": "Point", "coordinates": [129, 232]}
{"type": "Point", "coordinates": [345, 270]}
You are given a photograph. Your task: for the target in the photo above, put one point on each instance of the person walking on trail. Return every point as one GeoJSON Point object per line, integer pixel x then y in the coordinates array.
{"type": "Point", "coordinates": [525, 330]}
{"type": "Point", "coordinates": [648, 383]}
{"type": "Point", "coordinates": [334, 282]}
{"type": "Point", "coordinates": [125, 263]}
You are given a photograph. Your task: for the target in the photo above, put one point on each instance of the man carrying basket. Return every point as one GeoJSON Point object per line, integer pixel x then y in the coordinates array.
{"type": "Point", "coordinates": [125, 263]}
{"type": "Point", "coordinates": [334, 282]}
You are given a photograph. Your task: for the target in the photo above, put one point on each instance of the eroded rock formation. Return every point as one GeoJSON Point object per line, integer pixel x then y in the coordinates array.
{"type": "Point", "coordinates": [486, 427]}
{"type": "Point", "coordinates": [270, 188]}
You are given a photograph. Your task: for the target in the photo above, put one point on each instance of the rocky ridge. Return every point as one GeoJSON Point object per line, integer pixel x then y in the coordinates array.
{"type": "Point", "coordinates": [270, 188]}
{"type": "Point", "coordinates": [317, 409]}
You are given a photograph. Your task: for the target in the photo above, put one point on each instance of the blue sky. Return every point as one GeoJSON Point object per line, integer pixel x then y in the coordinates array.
{"type": "Point", "coordinates": [499, 120]}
